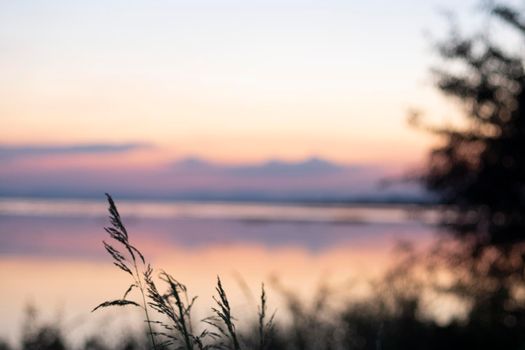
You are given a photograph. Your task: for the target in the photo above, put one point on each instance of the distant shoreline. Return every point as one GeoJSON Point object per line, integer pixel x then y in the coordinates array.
{"type": "Point", "coordinates": [375, 201]}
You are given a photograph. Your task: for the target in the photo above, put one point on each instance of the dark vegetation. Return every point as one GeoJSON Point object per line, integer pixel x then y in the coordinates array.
{"type": "Point", "coordinates": [478, 173]}
{"type": "Point", "coordinates": [479, 170]}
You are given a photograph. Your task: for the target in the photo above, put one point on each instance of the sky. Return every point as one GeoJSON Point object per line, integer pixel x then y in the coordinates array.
{"type": "Point", "coordinates": [231, 82]}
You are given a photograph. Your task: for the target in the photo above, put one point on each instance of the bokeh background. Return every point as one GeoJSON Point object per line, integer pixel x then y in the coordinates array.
{"type": "Point", "coordinates": [262, 141]}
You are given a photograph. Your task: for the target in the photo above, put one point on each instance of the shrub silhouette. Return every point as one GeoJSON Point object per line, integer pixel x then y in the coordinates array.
{"type": "Point", "coordinates": [478, 173]}
{"type": "Point", "coordinates": [479, 170]}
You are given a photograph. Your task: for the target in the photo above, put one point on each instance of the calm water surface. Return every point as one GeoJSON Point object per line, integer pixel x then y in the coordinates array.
{"type": "Point", "coordinates": [51, 253]}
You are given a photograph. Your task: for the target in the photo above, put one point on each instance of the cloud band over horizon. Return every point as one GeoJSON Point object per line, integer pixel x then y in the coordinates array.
{"type": "Point", "coordinates": [11, 151]}
{"type": "Point", "coordinates": [75, 174]}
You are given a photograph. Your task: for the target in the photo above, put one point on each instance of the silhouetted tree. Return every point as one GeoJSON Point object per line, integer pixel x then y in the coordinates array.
{"type": "Point", "coordinates": [479, 171]}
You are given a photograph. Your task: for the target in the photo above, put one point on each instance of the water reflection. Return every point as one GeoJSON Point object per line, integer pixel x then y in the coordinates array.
{"type": "Point", "coordinates": [66, 227]}
{"type": "Point", "coordinates": [51, 251]}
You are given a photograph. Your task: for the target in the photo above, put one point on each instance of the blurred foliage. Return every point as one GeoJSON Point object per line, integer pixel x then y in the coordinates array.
{"type": "Point", "coordinates": [37, 336]}
{"type": "Point", "coordinates": [478, 172]}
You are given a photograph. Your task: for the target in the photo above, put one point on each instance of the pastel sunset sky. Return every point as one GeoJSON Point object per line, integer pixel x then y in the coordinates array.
{"type": "Point", "coordinates": [233, 82]}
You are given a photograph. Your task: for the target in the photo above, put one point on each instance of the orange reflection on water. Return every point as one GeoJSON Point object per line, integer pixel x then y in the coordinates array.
{"type": "Point", "coordinates": [73, 287]}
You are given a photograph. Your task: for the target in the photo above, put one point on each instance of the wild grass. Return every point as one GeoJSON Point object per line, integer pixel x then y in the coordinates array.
{"type": "Point", "coordinates": [173, 329]}
{"type": "Point", "coordinates": [125, 258]}
{"type": "Point", "coordinates": [264, 326]}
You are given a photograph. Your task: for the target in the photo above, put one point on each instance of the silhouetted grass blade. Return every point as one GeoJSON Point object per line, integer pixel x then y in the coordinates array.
{"type": "Point", "coordinates": [116, 303]}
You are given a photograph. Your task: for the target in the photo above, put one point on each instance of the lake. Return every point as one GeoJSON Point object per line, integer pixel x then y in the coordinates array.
{"type": "Point", "coordinates": [52, 257]}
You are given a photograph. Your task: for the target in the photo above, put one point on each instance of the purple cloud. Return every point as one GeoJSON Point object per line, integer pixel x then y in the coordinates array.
{"type": "Point", "coordinates": [15, 151]}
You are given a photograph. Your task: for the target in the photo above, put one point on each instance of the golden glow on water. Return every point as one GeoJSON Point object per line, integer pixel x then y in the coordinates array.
{"type": "Point", "coordinates": [73, 286]}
